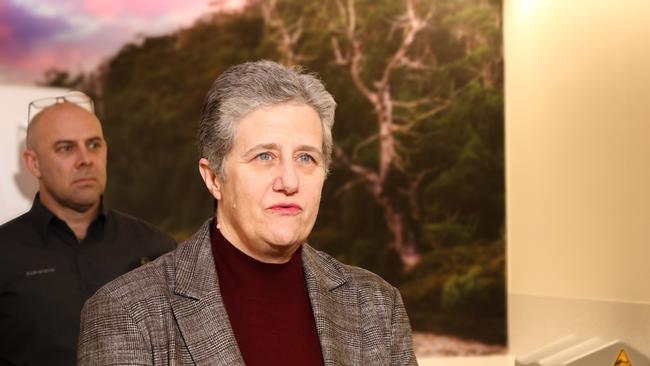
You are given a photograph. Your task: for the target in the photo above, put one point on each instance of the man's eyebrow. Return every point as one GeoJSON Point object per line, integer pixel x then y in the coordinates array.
{"type": "Point", "coordinates": [96, 137]}
{"type": "Point", "coordinates": [67, 141]}
{"type": "Point", "coordinates": [59, 142]}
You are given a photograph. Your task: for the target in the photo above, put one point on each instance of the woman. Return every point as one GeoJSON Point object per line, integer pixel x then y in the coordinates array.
{"type": "Point", "coordinates": [246, 288]}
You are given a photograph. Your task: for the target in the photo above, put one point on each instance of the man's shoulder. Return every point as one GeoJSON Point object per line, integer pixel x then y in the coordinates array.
{"type": "Point", "coordinates": [18, 234]}
{"type": "Point", "coordinates": [153, 279]}
{"type": "Point", "coordinates": [138, 229]}
{"type": "Point", "coordinates": [15, 225]}
{"type": "Point", "coordinates": [124, 219]}
{"type": "Point", "coordinates": [18, 240]}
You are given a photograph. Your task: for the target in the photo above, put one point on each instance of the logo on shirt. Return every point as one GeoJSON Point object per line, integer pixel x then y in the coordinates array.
{"type": "Point", "coordinates": [42, 271]}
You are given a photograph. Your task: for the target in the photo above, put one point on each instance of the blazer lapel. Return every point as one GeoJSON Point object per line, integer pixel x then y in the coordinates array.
{"type": "Point", "coordinates": [335, 307]}
{"type": "Point", "coordinates": [198, 307]}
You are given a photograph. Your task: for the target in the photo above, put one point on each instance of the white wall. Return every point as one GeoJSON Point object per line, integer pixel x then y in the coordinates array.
{"type": "Point", "coordinates": [577, 78]}
{"type": "Point", "coordinates": [578, 169]}
{"type": "Point", "coordinates": [18, 186]}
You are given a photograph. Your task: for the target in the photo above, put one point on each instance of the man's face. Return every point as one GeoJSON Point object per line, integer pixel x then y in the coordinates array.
{"type": "Point", "coordinates": [68, 156]}
{"type": "Point", "coordinates": [269, 197]}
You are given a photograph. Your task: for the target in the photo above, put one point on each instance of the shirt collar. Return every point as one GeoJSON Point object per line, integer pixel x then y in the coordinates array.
{"type": "Point", "coordinates": [42, 216]}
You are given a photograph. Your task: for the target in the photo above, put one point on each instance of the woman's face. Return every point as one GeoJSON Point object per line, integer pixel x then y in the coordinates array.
{"type": "Point", "coordinates": [273, 178]}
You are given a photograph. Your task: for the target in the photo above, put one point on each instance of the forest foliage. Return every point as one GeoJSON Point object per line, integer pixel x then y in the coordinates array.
{"type": "Point", "coordinates": [416, 190]}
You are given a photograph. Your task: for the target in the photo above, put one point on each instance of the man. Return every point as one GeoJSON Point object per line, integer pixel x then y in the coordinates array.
{"type": "Point", "coordinates": [55, 256]}
{"type": "Point", "coordinates": [246, 288]}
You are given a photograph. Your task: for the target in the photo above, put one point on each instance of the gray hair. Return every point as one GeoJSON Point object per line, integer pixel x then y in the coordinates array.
{"type": "Point", "coordinates": [244, 88]}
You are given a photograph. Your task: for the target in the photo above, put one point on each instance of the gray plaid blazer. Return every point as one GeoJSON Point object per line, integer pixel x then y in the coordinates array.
{"type": "Point", "coordinates": [170, 312]}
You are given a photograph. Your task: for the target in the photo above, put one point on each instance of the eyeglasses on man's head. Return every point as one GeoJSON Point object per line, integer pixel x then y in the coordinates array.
{"type": "Point", "coordinates": [74, 97]}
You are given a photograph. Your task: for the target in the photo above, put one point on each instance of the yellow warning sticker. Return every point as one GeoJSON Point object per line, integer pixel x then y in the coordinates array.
{"type": "Point", "coordinates": [622, 359]}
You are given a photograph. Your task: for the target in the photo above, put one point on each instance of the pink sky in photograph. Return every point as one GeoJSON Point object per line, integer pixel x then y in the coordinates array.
{"type": "Point", "coordinates": [76, 35]}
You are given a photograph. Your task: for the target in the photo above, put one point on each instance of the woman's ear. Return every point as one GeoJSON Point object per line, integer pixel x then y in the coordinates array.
{"type": "Point", "coordinates": [209, 178]}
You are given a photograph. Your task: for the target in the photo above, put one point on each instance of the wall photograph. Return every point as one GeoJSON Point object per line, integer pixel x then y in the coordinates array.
{"type": "Point", "coordinates": [416, 190]}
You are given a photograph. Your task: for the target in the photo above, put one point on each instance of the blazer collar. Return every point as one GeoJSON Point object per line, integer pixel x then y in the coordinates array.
{"type": "Point", "coordinates": [194, 267]}
{"type": "Point", "coordinates": [196, 275]}
{"type": "Point", "coordinates": [322, 269]}
{"type": "Point", "coordinates": [335, 307]}
{"type": "Point", "coordinates": [198, 307]}
{"type": "Point", "coordinates": [203, 320]}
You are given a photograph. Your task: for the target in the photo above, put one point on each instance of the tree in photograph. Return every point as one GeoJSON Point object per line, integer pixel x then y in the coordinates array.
{"type": "Point", "coordinates": [410, 61]}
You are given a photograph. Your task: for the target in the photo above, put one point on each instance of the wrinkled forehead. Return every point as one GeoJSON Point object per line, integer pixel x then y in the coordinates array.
{"type": "Point", "coordinates": [286, 118]}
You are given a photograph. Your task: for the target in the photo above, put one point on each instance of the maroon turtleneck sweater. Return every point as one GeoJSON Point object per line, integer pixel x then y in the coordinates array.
{"type": "Point", "coordinates": [268, 307]}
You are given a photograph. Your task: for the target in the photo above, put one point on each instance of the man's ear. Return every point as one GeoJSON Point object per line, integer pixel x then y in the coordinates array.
{"type": "Point", "coordinates": [209, 178]}
{"type": "Point", "coordinates": [31, 162]}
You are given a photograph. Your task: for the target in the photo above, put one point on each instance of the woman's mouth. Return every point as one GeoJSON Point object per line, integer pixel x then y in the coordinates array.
{"type": "Point", "coordinates": [286, 208]}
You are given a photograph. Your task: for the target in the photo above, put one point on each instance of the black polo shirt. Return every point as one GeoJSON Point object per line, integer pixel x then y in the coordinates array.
{"type": "Point", "coordinates": [46, 275]}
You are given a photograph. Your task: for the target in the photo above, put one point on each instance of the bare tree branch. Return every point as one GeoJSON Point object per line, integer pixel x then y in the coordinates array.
{"type": "Point", "coordinates": [412, 26]}
{"type": "Point", "coordinates": [289, 34]}
{"type": "Point", "coordinates": [338, 55]}
{"type": "Point", "coordinates": [348, 51]}
{"type": "Point", "coordinates": [370, 139]}
{"type": "Point", "coordinates": [414, 103]}
{"type": "Point", "coordinates": [414, 121]}
{"type": "Point", "coordinates": [355, 55]}
{"type": "Point", "coordinates": [361, 171]}
{"type": "Point", "coordinates": [348, 185]}
{"type": "Point", "coordinates": [383, 104]}
{"type": "Point", "coordinates": [412, 190]}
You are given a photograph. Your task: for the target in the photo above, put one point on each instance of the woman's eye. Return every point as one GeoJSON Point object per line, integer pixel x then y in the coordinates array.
{"type": "Point", "coordinates": [306, 158]}
{"type": "Point", "coordinates": [264, 156]}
